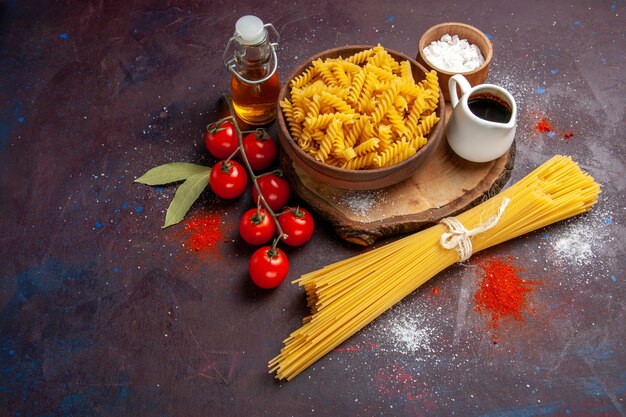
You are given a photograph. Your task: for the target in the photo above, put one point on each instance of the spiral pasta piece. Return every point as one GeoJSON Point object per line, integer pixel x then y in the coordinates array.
{"type": "Point", "coordinates": [348, 154]}
{"type": "Point", "coordinates": [411, 89]}
{"type": "Point", "coordinates": [325, 72]}
{"type": "Point", "coordinates": [325, 147]}
{"type": "Point", "coordinates": [405, 72]}
{"type": "Point", "coordinates": [418, 141]}
{"type": "Point", "coordinates": [368, 130]}
{"type": "Point", "coordinates": [299, 110]}
{"type": "Point", "coordinates": [397, 122]}
{"type": "Point", "coordinates": [336, 133]}
{"type": "Point", "coordinates": [383, 60]}
{"type": "Point", "coordinates": [360, 57]}
{"type": "Point", "coordinates": [426, 124]}
{"type": "Point", "coordinates": [336, 90]}
{"type": "Point", "coordinates": [304, 78]}
{"type": "Point", "coordinates": [318, 136]}
{"type": "Point", "coordinates": [380, 73]}
{"type": "Point", "coordinates": [340, 75]}
{"type": "Point", "coordinates": [432, 85]}
{"type": "Point", "coordinates": [400, 103]}
{"type": "Point", "coordinates": [311, 106]}
{"type": "Point", "coordinates": [310, 90]}
{"type": "Point", "coordinates": [353, 132]}
{"type": "Point", "coordinates": [365, 102]}
{"type": "Point", "coordinates": [360, 162]}
{"type": "Point", "coordinates": [399, 151]}
{"type": "Point", "coordinates": [386, 101]}
{"type": "Point", "coordinates": [356, 86]}
{"type": "Point", "coordinates": [349, 67]}
{"type": "Point", "coordinates": [335, 102]}
{"type": "Point", "coordinates": [294, 128]}
{"type": "Point", "coordinates": [320, 121]}
{"type": "Point", "coordinates": [385, 136]}
{"type": "Point", "coordinates": [418, 107]}
{"type": "Point", "coordinates": [305, 142]}
{"type": "Point", "coordinates": [368, 146]}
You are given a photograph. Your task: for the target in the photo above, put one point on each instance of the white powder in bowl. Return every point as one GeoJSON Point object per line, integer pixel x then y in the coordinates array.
{"type": "Point", "coordinates": [452, 54]}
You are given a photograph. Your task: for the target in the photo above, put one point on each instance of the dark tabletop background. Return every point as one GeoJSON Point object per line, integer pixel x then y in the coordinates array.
{"type": "Point", "coordinates": [102, 313]}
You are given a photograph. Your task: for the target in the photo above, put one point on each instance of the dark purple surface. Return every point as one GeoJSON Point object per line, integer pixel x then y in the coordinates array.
{"type": "Point", "coordinates": [103, 313]}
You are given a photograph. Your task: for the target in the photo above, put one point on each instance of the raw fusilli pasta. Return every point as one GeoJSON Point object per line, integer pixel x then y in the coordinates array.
{"type": "Point", "coordinates": [364, 111]}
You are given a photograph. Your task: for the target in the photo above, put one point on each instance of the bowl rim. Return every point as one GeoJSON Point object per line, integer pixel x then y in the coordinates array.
{"type": "Point", "coordinates": [384, 171]}
{"type": "Point", "coordinates": [421, 45]}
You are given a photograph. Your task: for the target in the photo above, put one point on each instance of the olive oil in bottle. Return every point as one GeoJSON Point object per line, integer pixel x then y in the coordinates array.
{"type": "Point", "coordinates": [254, 83]}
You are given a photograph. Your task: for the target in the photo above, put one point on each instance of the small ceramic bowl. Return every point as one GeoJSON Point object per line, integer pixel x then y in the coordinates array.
{"type": "Point", "coordinates": [463, 31]}
{"type": "Point", "coordinates": [353, 179]}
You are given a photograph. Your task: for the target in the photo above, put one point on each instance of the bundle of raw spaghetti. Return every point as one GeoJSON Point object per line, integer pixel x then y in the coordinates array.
{"type": "Point", "coordinates": [347, 295]}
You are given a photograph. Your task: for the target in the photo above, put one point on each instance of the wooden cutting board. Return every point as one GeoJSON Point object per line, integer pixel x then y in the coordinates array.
{"type": "Point", "coordinates": [443, 186]}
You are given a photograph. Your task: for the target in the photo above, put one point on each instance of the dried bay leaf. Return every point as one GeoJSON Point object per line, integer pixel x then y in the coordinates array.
{"type": "Point", "coordinates": [172, 172]}
{"type": "Point", "coordinates": [185, 196]}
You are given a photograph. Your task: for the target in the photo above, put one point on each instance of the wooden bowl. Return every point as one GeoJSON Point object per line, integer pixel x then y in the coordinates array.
{"type": "Point", "coordinates": [473, 36]}
{"type": "Point", "coordinates": [352, 179]}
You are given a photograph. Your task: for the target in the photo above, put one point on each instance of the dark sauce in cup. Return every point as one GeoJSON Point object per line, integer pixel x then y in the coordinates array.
{"type": "Point", "coordinates": [490, 108]}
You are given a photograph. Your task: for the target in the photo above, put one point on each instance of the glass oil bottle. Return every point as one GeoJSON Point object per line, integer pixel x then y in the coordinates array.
{"type": "Point", "coordinates": [255, 85]}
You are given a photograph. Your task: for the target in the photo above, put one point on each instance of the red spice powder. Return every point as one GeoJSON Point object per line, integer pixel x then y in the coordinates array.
{"type": "Point", "coordinates": [502, 293]}
{"type": "Point", "coordinates": [203, 231]}
{"type": "Point", "coordinates": [544, 126]}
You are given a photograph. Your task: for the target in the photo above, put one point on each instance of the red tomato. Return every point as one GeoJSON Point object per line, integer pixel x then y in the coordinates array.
{"type": "Point", "coordinates": [268, 267]}
{"type": "Point", "coordinates": [275, 190]}
{"type": "Point", "coordinates": [221, 140]}
{"type": "Point", "coordinates": [298, 225]}
{"type": "Point", "coordinates": [260, 149]}
{"type": "Point", "coordinates": [228, 179]}
{"type": "Point", "coordinates": [256, 226]}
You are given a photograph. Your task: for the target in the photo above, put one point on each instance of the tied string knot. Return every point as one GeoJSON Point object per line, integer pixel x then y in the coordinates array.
{"type": "Point", "coordinates": [459, 238]}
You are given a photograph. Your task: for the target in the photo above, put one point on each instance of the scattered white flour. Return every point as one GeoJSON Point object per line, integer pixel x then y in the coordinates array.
{"type": "Point", "coordinates": [574, 246]}
{"type": "Point", "coordinates": [580, 239]}
{"type": "Point", "coordinates": [410, 334]}
{"type": "Point", "coordinates": [407, 328]}
{"type": "Point", "coordinates": [453, 54]}
{"type": "Point", "coordinates": [361, 202]}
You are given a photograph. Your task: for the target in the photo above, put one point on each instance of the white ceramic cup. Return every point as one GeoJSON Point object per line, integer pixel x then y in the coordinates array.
{"type": "Point", "coordinates": [474, 138]}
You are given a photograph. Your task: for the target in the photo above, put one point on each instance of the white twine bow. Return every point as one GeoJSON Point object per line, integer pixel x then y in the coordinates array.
{"type": "Point", "coordinates": [459, 237]}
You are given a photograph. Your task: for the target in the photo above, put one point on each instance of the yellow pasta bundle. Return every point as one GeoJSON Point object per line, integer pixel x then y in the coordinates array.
{"type": "Point", "coordinates": [347, 295]}
{"type": "Point", "coordinates": [361, 112]}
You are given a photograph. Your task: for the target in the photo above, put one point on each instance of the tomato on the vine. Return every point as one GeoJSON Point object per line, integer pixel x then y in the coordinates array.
{"type": "Point", "coordinates": [268, 267]}
{"type": "Point", "coordinates": [260, 149]}
{"type": "Point", "coordinates": [221, 139]}
{"type": "Point", "coordinates": [256, 226]}
{"type": "Point", "coordinates": [228, 179]}
{"type": "Point", "coordinates": [298, 225]}
{"type": "Point", "coordinates": [275, 190]}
